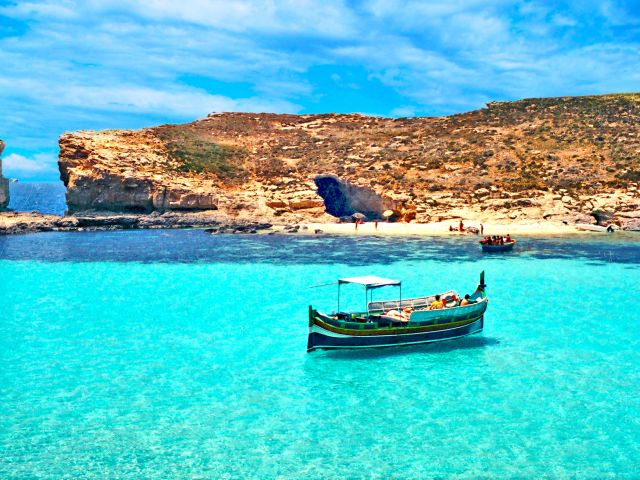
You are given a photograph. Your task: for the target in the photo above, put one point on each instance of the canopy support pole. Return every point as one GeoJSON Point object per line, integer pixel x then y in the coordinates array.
{"type": "Point", "coordinates": [366, 300]}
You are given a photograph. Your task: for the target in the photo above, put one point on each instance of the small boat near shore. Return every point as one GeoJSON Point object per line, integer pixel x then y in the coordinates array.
{"type": "Point", "coordinates": [389, 323]}
{"type": "Point", "coordinates": [595, 228]}
{"type": "Point", "coordinates": [497, 247]}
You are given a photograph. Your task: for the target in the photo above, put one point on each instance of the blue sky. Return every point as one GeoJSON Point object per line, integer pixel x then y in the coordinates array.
{"type": "Point", "coordinates": [94, 64]}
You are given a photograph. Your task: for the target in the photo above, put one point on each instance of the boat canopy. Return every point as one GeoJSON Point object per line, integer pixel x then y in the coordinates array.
{"type": "Point", "coordinates": [370, 281]}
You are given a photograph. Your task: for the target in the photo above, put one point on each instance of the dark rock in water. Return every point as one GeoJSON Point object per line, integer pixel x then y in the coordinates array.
{"type": "Point", "coordinates": [343, 199]}
{"type": "Point", "coordinates": [122, 221]}
{"type": "Point", "coordinates": [250, 228]}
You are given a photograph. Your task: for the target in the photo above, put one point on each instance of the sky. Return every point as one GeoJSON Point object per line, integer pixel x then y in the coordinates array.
{"type": "Point", "coordinates": [67, 65]}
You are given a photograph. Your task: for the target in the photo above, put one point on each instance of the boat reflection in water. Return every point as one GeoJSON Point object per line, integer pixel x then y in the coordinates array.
{"type": "Point", "coordinates": [410, 321]}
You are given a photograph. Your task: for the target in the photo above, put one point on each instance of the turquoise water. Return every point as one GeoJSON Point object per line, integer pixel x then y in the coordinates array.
{"type": "Point", "coordinates": [176, 354]}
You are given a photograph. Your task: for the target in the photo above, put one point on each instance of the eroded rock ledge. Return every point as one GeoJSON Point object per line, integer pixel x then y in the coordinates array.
{"type": "Point", "coordinates": [30, 222]}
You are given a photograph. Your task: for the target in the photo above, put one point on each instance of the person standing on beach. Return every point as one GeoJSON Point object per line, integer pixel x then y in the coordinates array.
{"type": "Point", "coordinates": [481, 229]}
{"type": "Point", "coordinates": [461, 226]}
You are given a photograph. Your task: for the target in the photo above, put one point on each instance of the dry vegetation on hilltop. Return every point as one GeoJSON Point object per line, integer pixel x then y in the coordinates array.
{"type": "Point", "coordinates": [581, 144]}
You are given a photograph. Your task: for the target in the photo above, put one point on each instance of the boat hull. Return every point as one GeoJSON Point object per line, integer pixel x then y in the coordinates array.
{"type": "Point", "coordinates": [321, 337]}
{"type": "Point", "coordinates": [507, 247]}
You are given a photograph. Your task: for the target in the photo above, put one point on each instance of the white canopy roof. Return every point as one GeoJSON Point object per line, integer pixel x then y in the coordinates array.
{"type": "Point", "coordinates": [370, 281]}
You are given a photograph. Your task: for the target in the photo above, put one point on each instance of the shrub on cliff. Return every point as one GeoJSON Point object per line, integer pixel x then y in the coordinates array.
{"type": "Point", "coordinates": [194, 152]}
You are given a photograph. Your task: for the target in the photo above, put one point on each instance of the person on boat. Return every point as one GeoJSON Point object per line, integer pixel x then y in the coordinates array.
{"type": "Point", "coordinates": [508, 239]}
{"type": "Point", "coordinates": [437, 304]}
{"type": "Point", "coordinates": [465, 300]}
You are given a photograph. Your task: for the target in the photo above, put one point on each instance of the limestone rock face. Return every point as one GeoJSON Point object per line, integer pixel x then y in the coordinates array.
{"type": "Point", "coordinates": [127, 172]}
{"type": "Point", "coordinates": [556, 158]}
{"type": "Point", "coordinates": [4, 184]}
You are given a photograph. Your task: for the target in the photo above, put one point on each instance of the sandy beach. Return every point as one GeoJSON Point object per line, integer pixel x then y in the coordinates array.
{"type": "Point", "coordinates": [442, 228]}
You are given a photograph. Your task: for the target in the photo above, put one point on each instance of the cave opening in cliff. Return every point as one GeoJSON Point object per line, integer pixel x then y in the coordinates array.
{"type": "Point", "coordinates": [343, 199]}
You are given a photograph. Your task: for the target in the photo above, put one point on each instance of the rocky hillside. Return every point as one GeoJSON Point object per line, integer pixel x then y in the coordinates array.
{"type": "Point", "coordinates": [549, 158]}
{"type": "Point", "coordinates": [4, 184]}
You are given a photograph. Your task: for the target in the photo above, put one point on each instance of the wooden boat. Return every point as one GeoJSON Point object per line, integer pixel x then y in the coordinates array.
{"type": "Point", "coordinates": [378, 327]}
{"type": "Point", "coordinates": [505, 247]}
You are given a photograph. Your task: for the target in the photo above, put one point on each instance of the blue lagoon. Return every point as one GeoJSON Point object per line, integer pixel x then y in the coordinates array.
{"type": "Point", "coordinates": [173, 354]}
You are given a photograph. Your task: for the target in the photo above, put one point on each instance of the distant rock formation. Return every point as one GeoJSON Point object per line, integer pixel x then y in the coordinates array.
{"type": "Point", "coordinates": [557, 159]}
{"type": "Point", "coordinates": [126, 172]}
{"type": "Point", "coordinates": [4, 184]}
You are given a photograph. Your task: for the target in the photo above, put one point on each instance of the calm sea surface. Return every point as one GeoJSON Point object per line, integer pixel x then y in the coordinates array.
{"type": "Point", "coordinates": [43, 197]}
{"type": "Point", "coordinates": [177, 354]}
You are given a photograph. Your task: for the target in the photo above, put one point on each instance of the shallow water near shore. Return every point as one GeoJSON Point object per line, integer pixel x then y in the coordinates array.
{"type": "Point", "coordinates": [172, 354]}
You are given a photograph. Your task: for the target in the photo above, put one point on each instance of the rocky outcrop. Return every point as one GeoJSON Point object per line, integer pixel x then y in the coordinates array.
{"type": "Point", "coordinates": [4, 183]}
{"type": "Point", "coordinates": [127, 172]}
{"type": "Point", "coordinates": [31, 222]}
{"type": "Point", "coordinates": [554, 158]}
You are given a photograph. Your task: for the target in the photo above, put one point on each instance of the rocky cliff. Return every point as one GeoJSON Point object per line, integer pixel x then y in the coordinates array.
{"type": "Point", "coordinates": [570, 158]}
{"type": "Point", "coordinates": [4, 184]}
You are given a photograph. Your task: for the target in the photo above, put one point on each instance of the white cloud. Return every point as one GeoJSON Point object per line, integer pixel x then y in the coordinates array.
{"type": "Point", "coordinates": [173, 101]}
{"type": "Point", "coordinates": [58, 10]}
{"type": "Point", "coordinates": [125, 63]}
{"type": "Point", "coordinates": [329, 18]}
{"type": "Point", "coordinates": [16, 165]}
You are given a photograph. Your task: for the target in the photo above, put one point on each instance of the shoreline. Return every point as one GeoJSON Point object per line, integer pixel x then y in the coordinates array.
{"type": "Point", "coordinates": [32, 222]}
{"type": "Point", "coordinates": [442, 229]}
